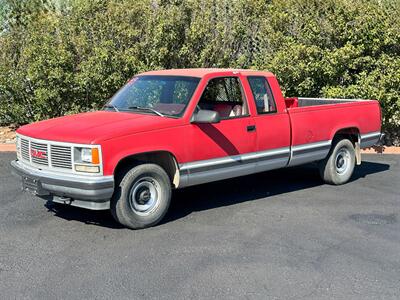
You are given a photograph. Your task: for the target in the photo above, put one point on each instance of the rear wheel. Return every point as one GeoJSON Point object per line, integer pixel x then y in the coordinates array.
{"type": "Point", "coordinates": [338, 167]}
{"type": "Point", "coordinates": [142, 197]}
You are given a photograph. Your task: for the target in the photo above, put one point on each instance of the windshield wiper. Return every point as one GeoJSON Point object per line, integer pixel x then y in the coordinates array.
{"type": "Point", "coordinates": [147, 109]}
{"type": "Point", "coordinates": [111, 106]}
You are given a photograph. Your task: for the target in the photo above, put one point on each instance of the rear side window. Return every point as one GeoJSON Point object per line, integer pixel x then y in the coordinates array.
{"type": "Point", "coordinates": [224, 95]}
{"type": "Point", "coordinates": [262, 94]}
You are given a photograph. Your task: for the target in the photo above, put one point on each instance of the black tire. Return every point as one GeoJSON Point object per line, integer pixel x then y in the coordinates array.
{"type": "Point", "coordinates": [142, 197]}
{"type": "Point", "coordinates": [338, 167]}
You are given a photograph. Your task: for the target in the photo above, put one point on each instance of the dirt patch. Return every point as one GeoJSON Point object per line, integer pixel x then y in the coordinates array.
{"type": "Point", "coordinates": [7, 148]}
{"type": "Point", "coordinates": [7, 135]}
{"type": "Point", "coordinates": [382, 150]}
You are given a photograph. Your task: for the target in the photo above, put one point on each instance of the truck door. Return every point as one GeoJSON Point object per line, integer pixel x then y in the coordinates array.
{"type": "Point", "coordinates": [222, 150]}
{"type": "Point", "coordinates": [272, 125]}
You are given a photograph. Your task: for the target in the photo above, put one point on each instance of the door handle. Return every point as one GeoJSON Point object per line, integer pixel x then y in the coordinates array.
{"type": "Point", "coordinates": [251, 128]}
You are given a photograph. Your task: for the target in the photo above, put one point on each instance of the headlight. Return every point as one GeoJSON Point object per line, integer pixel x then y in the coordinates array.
{"type": "Point", "coordinates": [87, 155]}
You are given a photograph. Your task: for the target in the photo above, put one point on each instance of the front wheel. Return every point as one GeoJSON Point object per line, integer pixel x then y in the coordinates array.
{"type": "Point", "coordinates": [142, 197]}
{"type": "Point", "coordinates": [338, 167]}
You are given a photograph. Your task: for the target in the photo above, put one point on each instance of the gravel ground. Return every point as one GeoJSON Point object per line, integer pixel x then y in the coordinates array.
{"type": "Point", "coordinates": [7, 135]}
{"type": "Point", "coordinates": [275, 235]}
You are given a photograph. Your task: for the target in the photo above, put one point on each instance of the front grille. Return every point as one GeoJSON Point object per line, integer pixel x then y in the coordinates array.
{"type": "Point", "coordinates": [46, 154]}
{"type": "Point", "coordinates": [25, 149]}
{"type": "Point", "coordinates": [39, 154]}
{"type": "Point", "coordinates": [61, 157]}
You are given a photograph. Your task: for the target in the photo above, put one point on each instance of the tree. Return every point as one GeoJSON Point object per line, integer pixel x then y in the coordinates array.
{"type": "Point", "coordinates": [59, 57]}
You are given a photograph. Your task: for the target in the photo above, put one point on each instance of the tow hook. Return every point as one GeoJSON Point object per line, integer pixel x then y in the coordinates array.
{"type": "Point", "coordinates": [65, 200]}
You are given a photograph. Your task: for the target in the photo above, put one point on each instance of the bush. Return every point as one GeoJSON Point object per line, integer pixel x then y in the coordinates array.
{"type": "Point", "coordinates": [61, 57]}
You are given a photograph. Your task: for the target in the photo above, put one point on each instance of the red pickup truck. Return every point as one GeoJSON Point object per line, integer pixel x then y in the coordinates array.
{"type": "Point", "coordinates": [175, 128]}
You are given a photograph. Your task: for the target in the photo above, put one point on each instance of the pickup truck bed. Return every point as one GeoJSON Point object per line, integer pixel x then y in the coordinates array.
{"type": "Point", "coordinates": [303, 102]}
{"type": "Point", "coordinates": [313, 119]}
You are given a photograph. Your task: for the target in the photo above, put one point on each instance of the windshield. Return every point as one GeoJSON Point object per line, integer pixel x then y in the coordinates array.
{"type": "Point", "coordinates": [160, 95]}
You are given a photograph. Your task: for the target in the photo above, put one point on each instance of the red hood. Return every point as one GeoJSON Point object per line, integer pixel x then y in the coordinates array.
{"type": "Point", "coordinates": [93, 127]}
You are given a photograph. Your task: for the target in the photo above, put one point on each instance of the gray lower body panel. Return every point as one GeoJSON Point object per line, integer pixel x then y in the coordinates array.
{"type": "Point", "coordinates": [369, 139]}
{"type": "Point", "coordinates": [307, 153]}
{"type": "Point", "coordinates": [233, 166]}
{"type": "Point", "coordinates": [239, 165]}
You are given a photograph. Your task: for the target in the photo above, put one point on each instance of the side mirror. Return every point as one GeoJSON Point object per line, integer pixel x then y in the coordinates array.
{"type": "Point", "coordinates": [206, 116]}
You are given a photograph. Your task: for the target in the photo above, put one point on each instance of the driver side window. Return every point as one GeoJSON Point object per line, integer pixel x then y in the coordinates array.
{"type": "Point", "coordinates": [224, 95]}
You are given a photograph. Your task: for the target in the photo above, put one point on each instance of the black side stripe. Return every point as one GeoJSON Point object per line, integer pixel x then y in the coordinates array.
{"type": "Point", "coordinates": [311, 150]}
{"type": "Point", "coordinates": [235, 163]}
{"type": "Point", "coordinates": [369, 139]}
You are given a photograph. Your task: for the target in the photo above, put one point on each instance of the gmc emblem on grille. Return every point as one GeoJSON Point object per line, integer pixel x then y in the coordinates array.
{"type": "Point", "coordinates": [38, 154]}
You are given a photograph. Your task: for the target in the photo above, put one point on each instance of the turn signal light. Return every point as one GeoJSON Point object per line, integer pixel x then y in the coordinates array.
{"type": "Point", "coordinates": [95, 156]}
{"type": "Point", "coordinates": [87, 169]}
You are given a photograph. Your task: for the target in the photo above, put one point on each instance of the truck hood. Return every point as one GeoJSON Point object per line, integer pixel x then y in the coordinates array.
{"type": "Point", "coordinates": [94, 127]}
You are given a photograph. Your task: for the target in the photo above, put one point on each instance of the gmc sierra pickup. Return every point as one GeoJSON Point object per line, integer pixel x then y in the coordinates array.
{"type": "Point", "coordinates": [171, 129]}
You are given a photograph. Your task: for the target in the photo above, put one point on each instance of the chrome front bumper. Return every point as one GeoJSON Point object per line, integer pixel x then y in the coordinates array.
{"type": "Point", "coordinates": [92, 192]}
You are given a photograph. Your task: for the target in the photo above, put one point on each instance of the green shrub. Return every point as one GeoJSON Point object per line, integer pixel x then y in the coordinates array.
{"type": "Point", "coordinates": [61, 57]}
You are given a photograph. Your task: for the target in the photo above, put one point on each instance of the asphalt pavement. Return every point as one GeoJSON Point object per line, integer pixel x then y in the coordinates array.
{"type": "Point", "coordinates": [275, 235]}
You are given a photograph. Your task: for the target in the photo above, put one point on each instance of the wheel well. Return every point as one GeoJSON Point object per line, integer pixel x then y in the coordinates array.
{"type": "Point", "coordinates": [162, 158]}
{"type": "Point", "coordinates": [353, 134]}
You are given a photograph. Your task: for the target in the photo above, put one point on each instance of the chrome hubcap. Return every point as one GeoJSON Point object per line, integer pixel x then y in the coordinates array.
{"type": "Point", "coordinates": [144, 194]}
{"type": "Point", "coordinates": [342, 161]}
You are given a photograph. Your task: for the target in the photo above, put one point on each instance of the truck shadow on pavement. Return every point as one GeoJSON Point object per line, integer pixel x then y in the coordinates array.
{"type": "Point", "coordinates": [223, 193]}
{"type": "Point", "coordinates": [255, 187]}
{"type": "Point", "coordinates": [90, 217]}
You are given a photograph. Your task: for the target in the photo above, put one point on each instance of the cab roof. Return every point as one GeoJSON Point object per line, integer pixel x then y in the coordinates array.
{"type": "Point", "coordinates": [201, 72]}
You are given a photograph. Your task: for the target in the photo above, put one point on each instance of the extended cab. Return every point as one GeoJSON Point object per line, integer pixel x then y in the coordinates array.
{"type": "Point", "coordinates": [175, 128]}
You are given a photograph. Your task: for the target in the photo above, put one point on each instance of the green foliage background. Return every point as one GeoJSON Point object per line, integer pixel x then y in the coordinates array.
{"type": "Point", "coordinates": [60, 57]}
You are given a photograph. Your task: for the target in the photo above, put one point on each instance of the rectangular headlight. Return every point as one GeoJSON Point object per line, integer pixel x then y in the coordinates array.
{"type": "Point", "coordinates": [87, 155]}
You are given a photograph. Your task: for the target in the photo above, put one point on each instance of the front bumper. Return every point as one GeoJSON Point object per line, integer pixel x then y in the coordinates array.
{"type": "Point", "coordinates": [92, 192]}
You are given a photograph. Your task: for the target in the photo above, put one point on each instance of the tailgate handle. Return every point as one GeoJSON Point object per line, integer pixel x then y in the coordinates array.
{"type": "Point", "coordinates": [251, 128]}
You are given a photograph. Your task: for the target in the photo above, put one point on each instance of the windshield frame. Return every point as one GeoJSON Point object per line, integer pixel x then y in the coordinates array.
{"type": "Point", "coordinates": [139, 111]}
